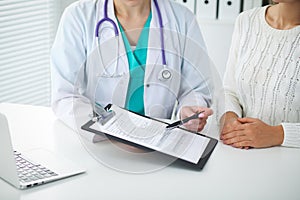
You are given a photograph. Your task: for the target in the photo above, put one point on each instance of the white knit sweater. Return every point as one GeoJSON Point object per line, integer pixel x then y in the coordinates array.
{"type": "Point", "coordinates": [262, 78]}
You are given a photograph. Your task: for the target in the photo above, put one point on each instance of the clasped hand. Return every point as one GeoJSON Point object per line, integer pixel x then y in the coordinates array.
{"type": "Point", "coordinates": [250, 132]}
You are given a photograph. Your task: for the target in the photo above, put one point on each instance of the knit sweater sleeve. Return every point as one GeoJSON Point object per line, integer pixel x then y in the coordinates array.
{"type": "Point", "coordinates": [229, 82]}
{"type": "Point", "coordinates": [291, 134]}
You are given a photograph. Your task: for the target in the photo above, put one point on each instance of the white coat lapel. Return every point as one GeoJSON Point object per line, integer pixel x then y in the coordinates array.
{"type": "Point", "coordinates": [154, 54]}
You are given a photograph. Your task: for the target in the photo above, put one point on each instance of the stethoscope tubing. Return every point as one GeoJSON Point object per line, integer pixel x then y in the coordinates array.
{"type": "Point", "coordinates": [164, 62]}
{"type": "Point", "coordinates": [107, 19]}
{"type": "Point", "coordinates": [165, 73]}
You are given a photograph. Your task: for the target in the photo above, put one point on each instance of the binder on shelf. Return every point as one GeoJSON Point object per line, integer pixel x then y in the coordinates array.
{"type": "Point", "coordinates": [186, 147]}
{"type": "Point", "coordinates": [206, 9]}
{"type": "Point", "coordinates": [247, 4]}
{"type": "Point", "coordinates": [229, 9]}
{"type": "Point", "coordinates": [188, 3]}
{"type": "Point", "coordinates": [257, 3]}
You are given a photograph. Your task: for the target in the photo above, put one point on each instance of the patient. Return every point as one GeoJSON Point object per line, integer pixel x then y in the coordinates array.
{"type": "Point", "coordinates": [262, 79]}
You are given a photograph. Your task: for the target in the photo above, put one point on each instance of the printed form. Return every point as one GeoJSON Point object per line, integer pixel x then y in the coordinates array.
{"type": "Point", "coordinates": [153, 134]}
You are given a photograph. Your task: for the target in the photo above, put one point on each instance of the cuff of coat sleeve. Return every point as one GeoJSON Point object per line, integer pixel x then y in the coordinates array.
{"type": "Point", "coordinates": [291, 134]}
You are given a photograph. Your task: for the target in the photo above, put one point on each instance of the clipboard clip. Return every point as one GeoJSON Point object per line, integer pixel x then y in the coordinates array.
{"type": "Point", "coordinates": [102, 115]}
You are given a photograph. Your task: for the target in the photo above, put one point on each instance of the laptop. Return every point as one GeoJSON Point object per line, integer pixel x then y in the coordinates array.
{"type": "Point", "coordinates": [31, 168]}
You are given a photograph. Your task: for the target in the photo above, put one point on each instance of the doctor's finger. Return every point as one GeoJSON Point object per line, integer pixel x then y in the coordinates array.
{"type": "Point", "coordinates": [198, 124]}
{"type": "Point", "coordinates": [186, 111]}
{"type": "Point", "coordinates": [207, 112]}
{"type": "Point", "coordinates": [204, 112]}
{"type": "Point", "coordinates": [195, 124]}
{"type": "Point", "coordinates": [201, 125]}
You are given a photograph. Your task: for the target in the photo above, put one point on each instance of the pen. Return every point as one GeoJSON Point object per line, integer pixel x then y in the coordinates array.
{"type": "Point", "coordinates": [180, 122]}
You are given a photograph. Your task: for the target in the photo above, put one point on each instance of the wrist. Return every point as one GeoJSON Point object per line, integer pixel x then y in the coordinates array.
{"type": "Point", "coordinates": [278, 130]}
{"type": "Point", "coordinates": [228, 116]}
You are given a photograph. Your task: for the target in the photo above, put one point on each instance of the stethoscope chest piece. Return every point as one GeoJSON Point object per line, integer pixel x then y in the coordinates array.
{"type": "Point", "coordinates": [165, 74]}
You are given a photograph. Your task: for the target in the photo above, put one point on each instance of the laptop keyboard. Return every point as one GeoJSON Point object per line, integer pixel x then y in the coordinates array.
{"type": "Point", "coordinates": [27, 171]}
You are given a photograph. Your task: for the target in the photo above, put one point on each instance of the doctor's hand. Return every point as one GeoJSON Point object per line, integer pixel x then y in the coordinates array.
{"type": "Point", "coordinates": [195, 124]}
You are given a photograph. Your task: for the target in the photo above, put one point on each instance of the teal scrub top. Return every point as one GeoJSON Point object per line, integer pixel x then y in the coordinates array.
{"type": "Point", "coordinates": [137, 63]}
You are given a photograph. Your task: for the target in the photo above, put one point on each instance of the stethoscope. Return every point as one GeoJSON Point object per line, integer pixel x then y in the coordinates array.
{"type": "Point", "coordinates": [165, 73]}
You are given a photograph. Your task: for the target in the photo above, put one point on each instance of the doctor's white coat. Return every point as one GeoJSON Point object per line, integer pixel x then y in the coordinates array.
{"type": "Point", "coordinates": [81, 75]}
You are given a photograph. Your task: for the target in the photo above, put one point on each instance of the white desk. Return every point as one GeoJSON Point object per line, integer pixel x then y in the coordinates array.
{"type": "Point", "coordinates": [230, 173]}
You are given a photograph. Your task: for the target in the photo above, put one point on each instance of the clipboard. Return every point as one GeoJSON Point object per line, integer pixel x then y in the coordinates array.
{"type": "Point", "coordinates": [189, 149]}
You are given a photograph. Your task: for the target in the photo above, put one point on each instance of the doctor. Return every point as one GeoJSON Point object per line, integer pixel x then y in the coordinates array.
{"type": "Point", "coordinates": [144, 55]}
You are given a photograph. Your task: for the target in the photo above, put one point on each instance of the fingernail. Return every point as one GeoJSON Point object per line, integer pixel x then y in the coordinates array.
{"type": "Point", "coordinates": [201, 115]}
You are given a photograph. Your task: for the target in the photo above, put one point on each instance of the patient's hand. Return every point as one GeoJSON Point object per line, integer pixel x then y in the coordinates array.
{"type": "Point", "coordinates": [229, 122]}
{"type": "Point", "coordinates": [253, 132]}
